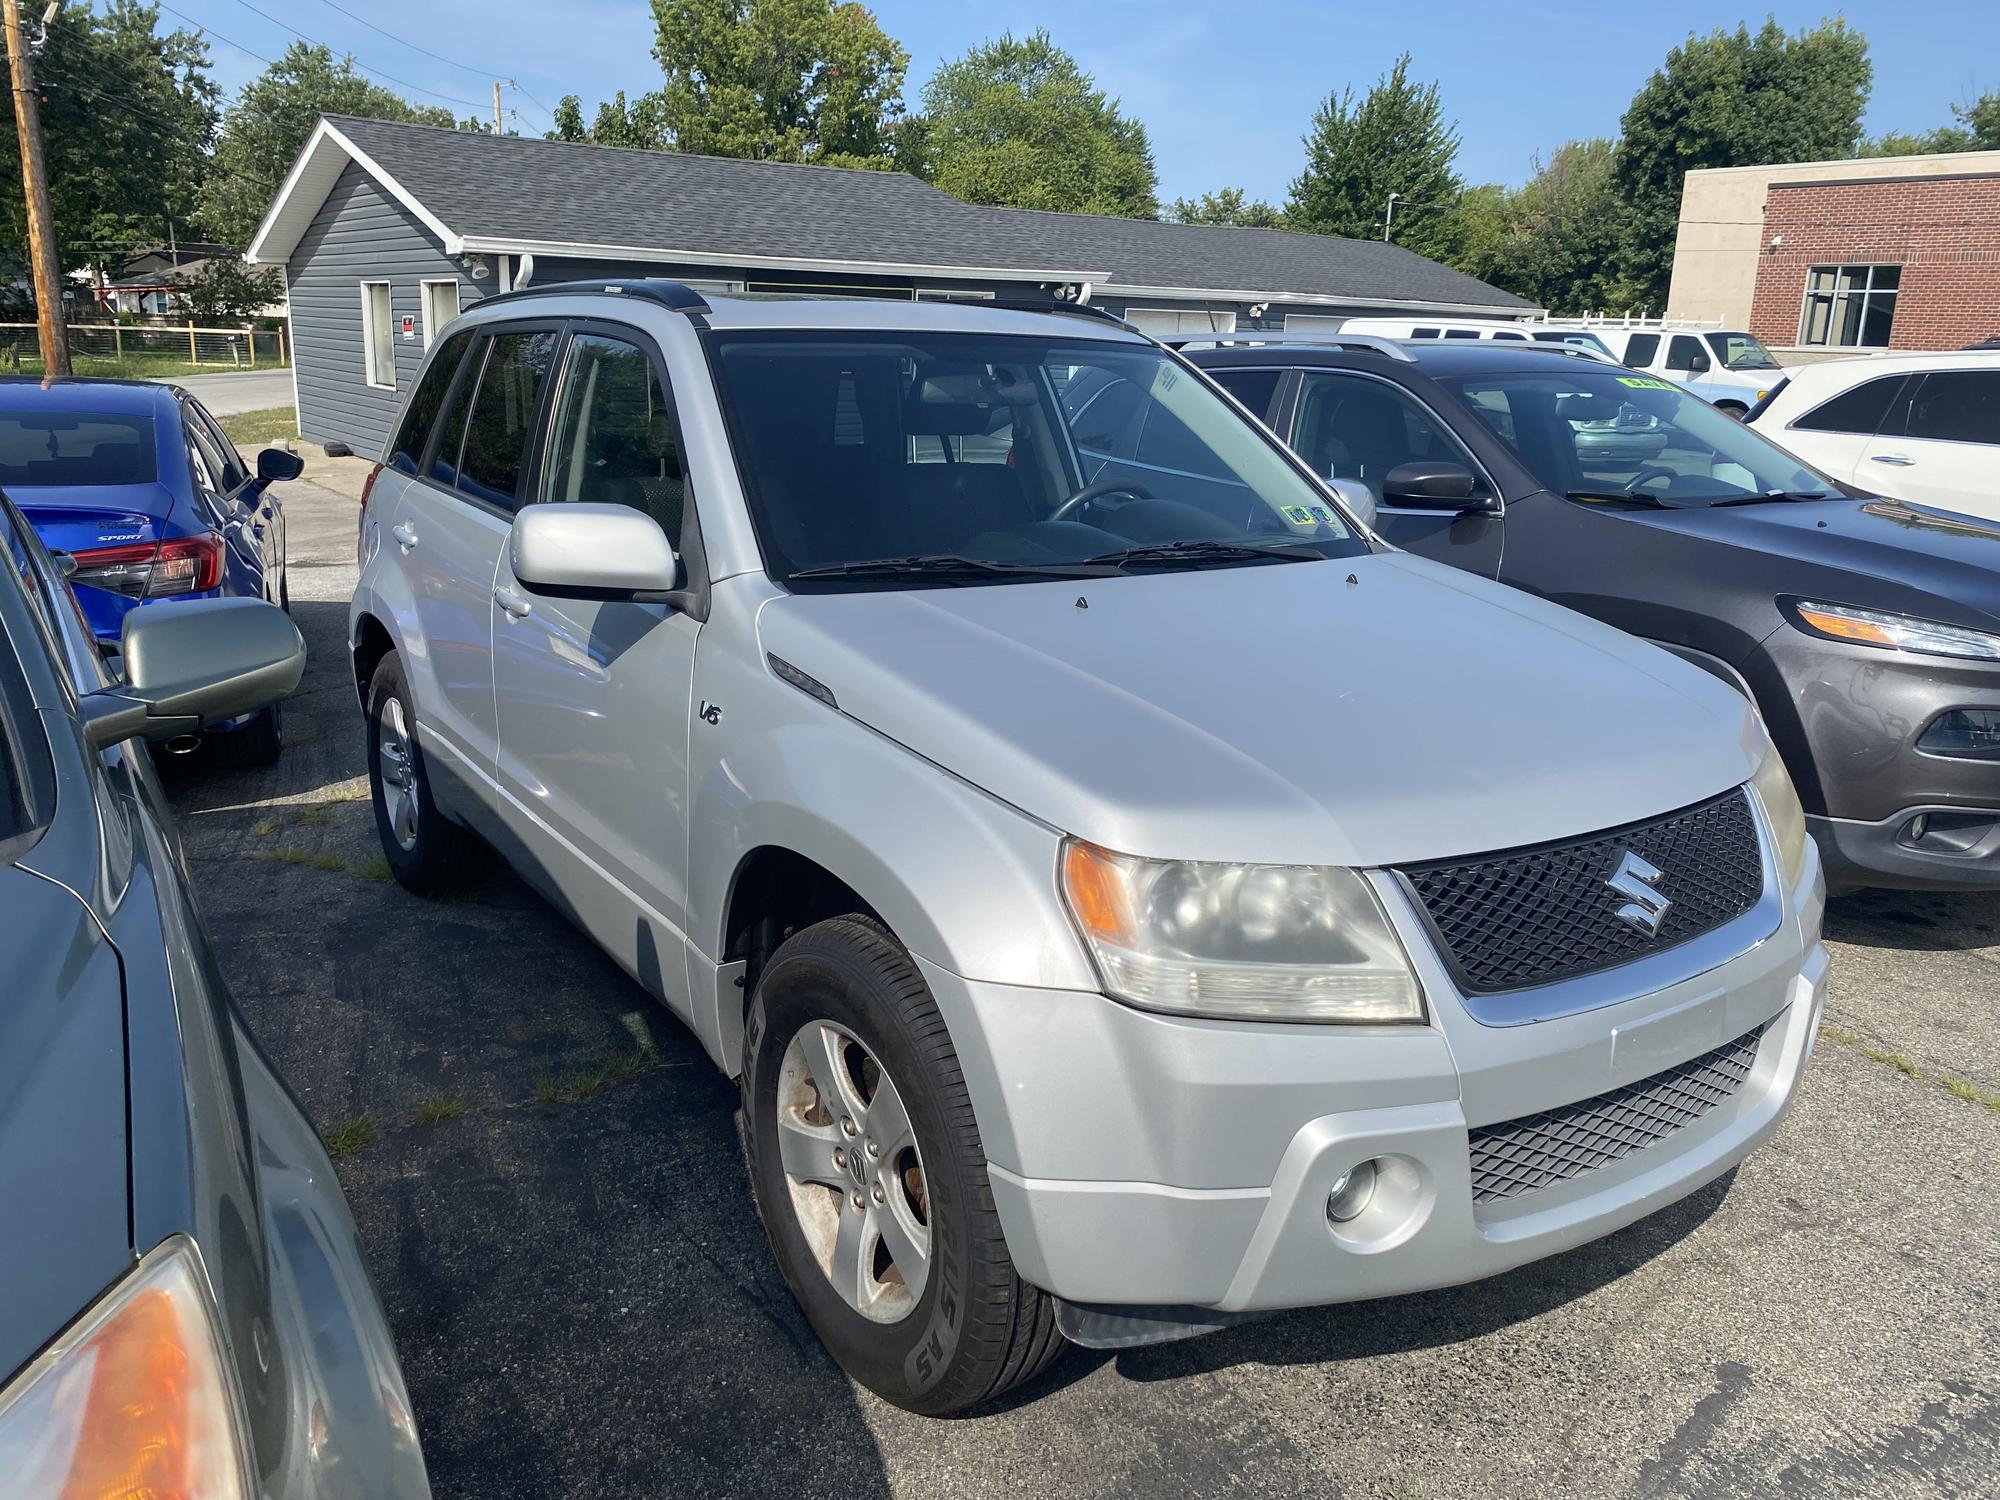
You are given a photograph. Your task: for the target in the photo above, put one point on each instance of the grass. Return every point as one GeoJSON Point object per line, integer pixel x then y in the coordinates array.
{"type": "Point", "coordinates": [441, 1107]}
{"type": "Point", "coordinates": [349, 1134]}
{"type": "Point", "coordinates": [375, 868]}
{"type": "Point", "coordinates": [1909, 1067]}
{"type": "Point", "coordinates": [269, 424]}
{"type": "Point", "coordinates": [263, 828]}
{"type": "Point", "coordinates": [312, 817]}
{"type": "Point", "coordinates": [328, 862]}
{"type": "Point", "coordinates": [585, 1083]}
{"type": "Point", "coordinates": [1905, 1065]}
{"type": "Point", "coordinates": [547, 1090]}
{"type": "Point", "coordinates": [1972, 1093]}
{"type": "Point", "coordinates": [282, 856]}
{"type": "Point", "coordinates": [141, 365]}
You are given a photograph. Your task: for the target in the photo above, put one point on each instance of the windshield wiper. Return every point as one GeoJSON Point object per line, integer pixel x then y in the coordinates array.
{"type": "Point", "coordinates": [1207, 550]}
{"type": "Point", "coordinates": [1764, 496]}
{"type": "Point", "coordinates": [949, 565]}
{"type": "Point", "coordinates": [1637, 497]}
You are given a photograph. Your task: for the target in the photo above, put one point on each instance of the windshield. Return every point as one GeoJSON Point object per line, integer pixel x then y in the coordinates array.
{"type": "Point", "coordinates": [70, 448]}
{"type": "Point", "coordinates": [1003, 455]}
{"type": "Point", "coordinates": [1575, 338]}
{"type": "Point", "coordinates": [1739, 351]}
{"type": "Point", "coordinates": [1596, 432]}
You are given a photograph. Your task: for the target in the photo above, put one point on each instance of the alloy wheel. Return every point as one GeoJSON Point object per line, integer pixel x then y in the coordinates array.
{"type": "Point", "coordinates": [394, 756]}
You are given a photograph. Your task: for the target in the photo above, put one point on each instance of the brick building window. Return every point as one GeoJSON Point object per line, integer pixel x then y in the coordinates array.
{"type": "Point", "coordinates": [1849, 306]}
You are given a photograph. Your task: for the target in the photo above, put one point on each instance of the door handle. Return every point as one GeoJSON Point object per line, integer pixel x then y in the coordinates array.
{"type": "Point", "coordinates": [1896, 459]}
{"type": "Point", "coordinates": [516, 607]}
{"type": "Point", "coordinates": [405, 535]}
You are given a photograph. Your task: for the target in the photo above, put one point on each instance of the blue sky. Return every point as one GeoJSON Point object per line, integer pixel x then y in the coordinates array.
{"type": "Point", "coordinates": [1225, 90]}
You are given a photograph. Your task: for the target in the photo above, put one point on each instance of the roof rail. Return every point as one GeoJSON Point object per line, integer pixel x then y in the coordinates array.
{"type": "Point", "coordinates": [1070, 309]}
{"type": "Point", "coordinates": [1352, 343]}
{"type": "Point", "coordinates": [669, 294]}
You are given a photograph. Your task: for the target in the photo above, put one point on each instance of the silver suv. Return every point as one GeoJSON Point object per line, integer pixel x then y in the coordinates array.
{"type": "Point", "coordinates": [1132, 898]}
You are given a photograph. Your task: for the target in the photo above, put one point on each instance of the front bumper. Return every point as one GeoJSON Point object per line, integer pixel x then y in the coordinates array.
{"type": "Point", "coordinates": [1142, 1161]}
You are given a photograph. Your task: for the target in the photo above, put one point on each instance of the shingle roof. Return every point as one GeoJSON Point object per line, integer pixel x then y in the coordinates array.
{"type": "Point", "coordinates": [510, 190]}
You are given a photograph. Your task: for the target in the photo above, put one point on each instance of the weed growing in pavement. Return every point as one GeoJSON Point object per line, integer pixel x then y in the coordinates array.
{"type": "Point", "coordinates": [1839, 1034]}
{"type": "Point", "coordinates": [328, 862]}
{"type": "Point", "coordinates": [1904, 1065]}
{"type": "Point", "coordinates": [375, 868]}
{"type": "Point", "coordinates": [312, 817]}
{"type": "Point", "coordinates": [1958, 1088]}
{"type": "Point", "coordinates": [547, 1090]}
{"type": "Point", "coordinates": [263, 828]}
{"type": "Point", "coordinates": [612, 1067]}
{"type": "Point", "coordinates": [441, 1107]}
{"type": "Point", "coordinates": [1972, 1093]}
{"type": "Point", "coordinates": [356, 793]}
{"type": "Point", "coordinates": [349, 1134]}
{"type": "Point", "coordinates": [282, 856]}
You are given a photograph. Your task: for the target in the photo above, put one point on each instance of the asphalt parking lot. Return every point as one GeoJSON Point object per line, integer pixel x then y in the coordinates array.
{"type": "Point", "coordinates": [546, 1174]}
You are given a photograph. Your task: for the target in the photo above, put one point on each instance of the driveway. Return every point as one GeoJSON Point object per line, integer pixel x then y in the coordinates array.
{"type": "Point", "coordinates": [553, 1204]}
{"type": "Point", "coordinates": [238, 390]}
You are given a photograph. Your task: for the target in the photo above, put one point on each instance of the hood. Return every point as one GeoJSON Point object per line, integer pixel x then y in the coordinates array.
{"type": "Point", "coordinates": [71, 518]}
{"type": "Point", "coordinates": [1893, 549]}
{"type": "Point", "coordinates": [1360, 711]}
{"type": "Point", "coordinates": [64, 1174]}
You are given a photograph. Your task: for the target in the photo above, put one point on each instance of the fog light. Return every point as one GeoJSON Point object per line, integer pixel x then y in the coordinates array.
{"type": "Point", "coordinates": [1351, 1193]}
{"type": "Point", "coordinates": [1973, 733]}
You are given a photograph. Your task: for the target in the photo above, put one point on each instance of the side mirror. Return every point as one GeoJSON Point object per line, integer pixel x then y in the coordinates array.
{"type": "Point", "coordinates": [1357, 497]}
{"type": "Point", "coordinates": [1433, 485]}
{"type": "Point", "coordinates": [336, 450]}
{"type": "Point", "coordinates": [195, 663]}
{"type": "Point", "coordinates": [580, 550]}
{"type": "Point", "coordinates": [275, 465]}
{"type": "Point", "coordinates": [1698, 364]}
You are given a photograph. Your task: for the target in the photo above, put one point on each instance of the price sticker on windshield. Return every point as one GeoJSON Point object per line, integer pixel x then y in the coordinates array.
{"type": "Point", "coordinates": [1645, 383]}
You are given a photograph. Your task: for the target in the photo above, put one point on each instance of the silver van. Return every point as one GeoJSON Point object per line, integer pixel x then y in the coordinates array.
{"type": "Point", "coordinates": [1133, 899]}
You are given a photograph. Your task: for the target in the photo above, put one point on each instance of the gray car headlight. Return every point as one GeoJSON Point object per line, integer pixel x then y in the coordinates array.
{"type": "Point", "coordinates": [1872, 627]}
{"type": "Point", "coordinates": [1239, 942]}
{"type": "Point", "coordinates": [1782, 810]}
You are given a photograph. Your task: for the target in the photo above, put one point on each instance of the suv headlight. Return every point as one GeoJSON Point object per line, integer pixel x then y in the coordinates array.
{"type": "Point", "coordinates": [1239, 942]}
{"type": "Point", "coordinates": [132, 1399]}
{"type": "Point", "coordinates": [1780, 800]}
{"type": "Point", "coordinates": [1871, 627]}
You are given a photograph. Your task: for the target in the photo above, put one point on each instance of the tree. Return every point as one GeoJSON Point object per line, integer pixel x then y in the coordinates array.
{"type": "Point", "coordinates": [227, 288]}
{"type": "Point", "coordinates": [1733, 99]}
{"type": "Point", "coordinates": [1394, 140]}
{"type": "Point", "coordinates": [1977, 128]}
{"type": "Point", "coordinates": [267, 126]}
{"type": "Point", "coordinates": [1017, 122]}
{"type": "Point", "coordinates": [128, 115]}
{"type": "Point", "coordinates": [774, 80]}
{"type": "Point", "coordinates": [638, 124]}
{"type": "Point", "coordinates": [1228, 206]}
{"type": "Point", "coordinates": [1565, 233]}
{"type": "Point", "coordinates": [1479, 229]}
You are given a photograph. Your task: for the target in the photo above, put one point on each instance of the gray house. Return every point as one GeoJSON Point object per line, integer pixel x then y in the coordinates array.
{"type": "Point", "coordinates": [385, 231]}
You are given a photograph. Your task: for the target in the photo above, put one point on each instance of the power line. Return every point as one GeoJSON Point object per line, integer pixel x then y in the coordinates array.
{"type": "Point", "coordinates": [450, 62]}
{"type": "Point", "coordinates": [377, 72]}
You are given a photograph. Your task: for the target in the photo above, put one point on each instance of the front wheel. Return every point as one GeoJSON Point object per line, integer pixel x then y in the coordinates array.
{"type": "Point", "coordinates": [426, 851]}
{"type": "Point", "coordinates": [871, 1181]}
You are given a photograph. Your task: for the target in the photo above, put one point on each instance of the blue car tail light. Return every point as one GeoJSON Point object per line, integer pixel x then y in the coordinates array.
{"type": "Point", "coordinates": [153, 570]}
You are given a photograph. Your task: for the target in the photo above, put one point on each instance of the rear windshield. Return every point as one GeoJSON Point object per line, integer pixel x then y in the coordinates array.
{"type": "Point", "coordinates": [76, 448]}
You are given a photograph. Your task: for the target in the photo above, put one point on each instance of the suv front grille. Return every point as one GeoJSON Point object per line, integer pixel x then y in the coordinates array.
{"type": "Point", "coordinates": [1538, 1151]}
{"type": "Point", "coordinates": [1536, 915]}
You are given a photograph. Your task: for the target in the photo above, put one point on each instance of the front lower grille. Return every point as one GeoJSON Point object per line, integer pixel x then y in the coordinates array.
{"type": "Point", "coordinates": [1545, 913]}
{"type": "Point", "coordinates": [1538, 1151]}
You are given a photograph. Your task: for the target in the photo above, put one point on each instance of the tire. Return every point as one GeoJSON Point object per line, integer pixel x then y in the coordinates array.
{"type": "Point", "coordinates": [426, 851]}
{"type": "Point", "coordinates": [258, 743]}
{"type": "Point", "coordinates": [974, 1329]}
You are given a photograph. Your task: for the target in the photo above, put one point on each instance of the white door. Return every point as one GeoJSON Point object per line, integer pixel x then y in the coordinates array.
{"type": "Point", "coordinates": [592, 696]}
{"type": "Point", "coordinates": [1837, 435]}
{"type": "Point", "coordinates": [1949, 452]}
{"type": "Point", "coordinates": [1177, 320]}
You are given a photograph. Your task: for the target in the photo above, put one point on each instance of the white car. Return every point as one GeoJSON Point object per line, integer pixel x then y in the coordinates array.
{"type": "Point", "coordinates": [1921, 427]}
{"type": "Point", "coordinates": [1506, 330]}
{"type": "Point", "coordinates": [1728, 368]}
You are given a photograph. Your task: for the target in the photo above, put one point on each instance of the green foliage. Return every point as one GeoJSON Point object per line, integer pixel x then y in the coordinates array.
{"type": "Point", "coordinates": [1228, 206]}
{"type": "Point", "coordinates": [1565, 233]}
{"type": "Point", "coordinates": [263, 131]}
{"type": "Point", "coordinates": [1395, 139]}
{"type": "Point", "coordinates": [1733, 99]}
{"type": "Point", "coordinates": [1017, 122]}
{"type": "Point", "coordinates": [227, 289]}
{"type": "Point", "coordinates": [1479, 228]}
{"type": "Point", "coordinates": [1977, 128]}
{"type": "Point", "coordinates": [128, 115]}
{"type": "Point", "coordinates": [640, 124]}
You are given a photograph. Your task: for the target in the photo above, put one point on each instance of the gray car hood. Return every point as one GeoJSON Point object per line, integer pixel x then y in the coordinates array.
{"type": "Point", "coordinates": [1359, 711]}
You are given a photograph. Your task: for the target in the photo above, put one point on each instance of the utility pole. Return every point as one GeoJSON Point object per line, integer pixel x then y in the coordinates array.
{"type": "Point", "coordinates": [1389, 215]}
{"type": "Point", "coordinates": [496, 99]}
{"type": "Point", "coordinates": [41, 223]}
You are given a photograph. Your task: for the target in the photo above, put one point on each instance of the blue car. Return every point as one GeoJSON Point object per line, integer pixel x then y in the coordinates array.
{"type": "Point", "coordinates": [136, 489]}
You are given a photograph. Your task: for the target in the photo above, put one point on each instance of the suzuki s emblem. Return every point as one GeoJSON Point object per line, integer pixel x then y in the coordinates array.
{"type": "Point", "coordinates": [1638, 882]}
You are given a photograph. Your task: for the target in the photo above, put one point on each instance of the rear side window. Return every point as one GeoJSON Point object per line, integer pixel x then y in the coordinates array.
{"type": "Point", "coordinates": [503, 415]}
{"type": "Point", "coordinates": [69, 448]}
{"type": "Point", "coordinates": [1641, 351]}
{"type": "Point", "coordinates": [426, 403]}
{"type": "Point", "coordinates": [1254, 388]}
{"type": "Point", "coordinates": [1355, 427]}
{"type": "Point", "coordinates": [1958, 406]}
{"type": "Point", "coordinates": [614, 439]}
{"type": "Point", "coordinates": [1859, 410]}
{"type": "Point", "coordinates": [1683, 352]}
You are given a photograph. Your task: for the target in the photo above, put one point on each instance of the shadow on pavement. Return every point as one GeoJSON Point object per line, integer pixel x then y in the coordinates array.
{"type": "Point", "coordinates": [1917, 921]}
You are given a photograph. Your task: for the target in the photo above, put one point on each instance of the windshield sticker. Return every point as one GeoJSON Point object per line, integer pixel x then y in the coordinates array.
{"type": "Point", "coordinates": [1645, 383]}
{"type": "Point", "coordinates": [1298, 515]}
{"type": "Point", "coordinates": [1322, 515]}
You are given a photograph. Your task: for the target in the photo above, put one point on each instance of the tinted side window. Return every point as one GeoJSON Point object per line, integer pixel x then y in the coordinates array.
{"type": "Point", "coordinates": [1640, 351]}
{"type": "Point", "coordinates": [1166, 443]}
{"type": "Point", "coordinates": [1859, 410]}
{"type": "Point", "coordinates": [1352, 427]}
{"type": "Point", "coordinates": [425, 404]}
{"type": "Point", "coordinates": [1958, 406]}
{"type": "Point", "coordinates": [451, 430]}
{"type": "Point", "coordinates": [1682, 352]}
{"type": "Point", "coordinates": [1254, 388]}
{"type": "Point", "coordinates": [502, 415]}
{"type": "Point", "coordinates": [1107, 421]}
{"type": "Point", "coordinates": [614, 439]}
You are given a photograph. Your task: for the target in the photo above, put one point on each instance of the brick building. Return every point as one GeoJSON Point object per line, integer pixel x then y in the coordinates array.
{"type": "Point", "coordinates": [1828, 257]}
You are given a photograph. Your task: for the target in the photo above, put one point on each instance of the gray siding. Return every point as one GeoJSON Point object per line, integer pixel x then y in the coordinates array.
{"type": "Point", "coordinates": [359, 234]}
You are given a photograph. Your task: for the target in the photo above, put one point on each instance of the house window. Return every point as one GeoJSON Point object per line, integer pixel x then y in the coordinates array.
{"type": "Point", "coordinates": [440, 306]}
{"type": "Point", "coordinates": [378, 335]}
{"type": "Point", "coordinates": [1849, 307]}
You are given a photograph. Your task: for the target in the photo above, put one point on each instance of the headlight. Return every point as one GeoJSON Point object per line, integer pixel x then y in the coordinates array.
{"type": "Point", "coordinates": [1782, 811]}
{"type": "Point", "coordinates": [1241, 942]}
{"type": "Point", "coordinates": [1843, 622]}
{"type": "Point", "coordinates": [133, 1399]}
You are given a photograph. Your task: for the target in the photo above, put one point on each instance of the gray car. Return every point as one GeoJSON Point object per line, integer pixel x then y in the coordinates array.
{"type": "Point", "coordinates": [186, 1312]}
{"type": "Point", "coordinates": [1131, 901]}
